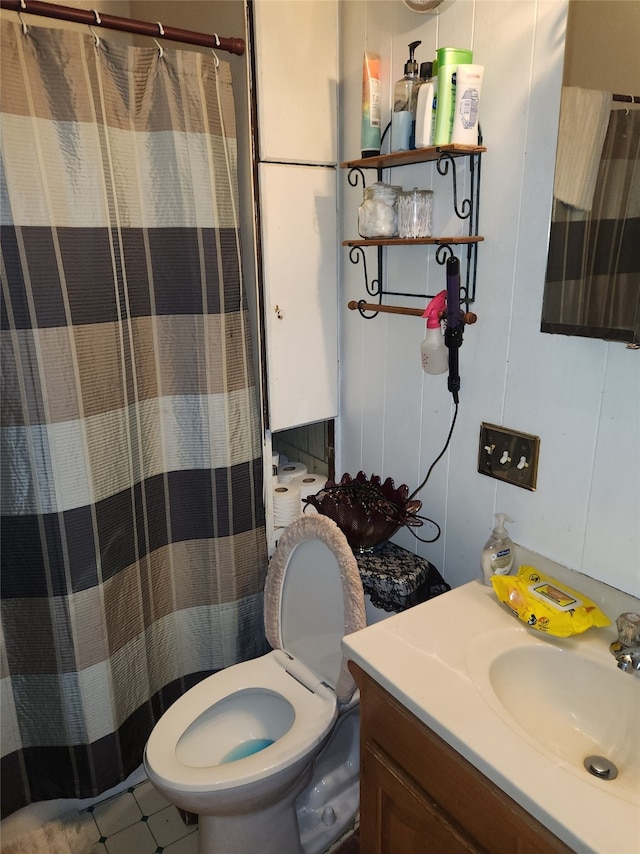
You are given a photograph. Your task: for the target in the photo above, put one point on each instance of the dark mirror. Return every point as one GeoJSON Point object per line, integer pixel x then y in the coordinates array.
{"type": "Point", "coordinates": [592, 285]}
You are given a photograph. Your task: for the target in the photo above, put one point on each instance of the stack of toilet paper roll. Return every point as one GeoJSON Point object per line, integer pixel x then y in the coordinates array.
{"type": "Point", "coordinates": [289, 471]}
{"type": "Point", "coordinates": [309, 484]}
{"type": "Point", "coordinates": [294, 484]}
{"type": "Point", "coordinates": [286, 504]}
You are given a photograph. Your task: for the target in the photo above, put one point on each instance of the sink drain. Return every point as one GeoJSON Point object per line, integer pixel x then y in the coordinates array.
{"type": "Point", "coordinates": [601, 767]}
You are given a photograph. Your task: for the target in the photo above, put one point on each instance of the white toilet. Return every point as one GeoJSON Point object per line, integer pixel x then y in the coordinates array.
{"type": "Point", "coordinates": [266, 751]}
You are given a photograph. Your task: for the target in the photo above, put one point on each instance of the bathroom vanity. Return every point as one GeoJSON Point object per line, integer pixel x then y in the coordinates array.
{"type": "Point", "coordinates": [414, 787]}
{"type": "Point", "coordinates": [475, 728]}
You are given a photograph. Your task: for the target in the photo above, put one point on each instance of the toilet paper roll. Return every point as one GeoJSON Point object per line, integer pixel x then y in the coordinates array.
{"type": "Point", "coordinates": [309, 484]}
{"type": "Point", "coordinates": [290, 471]}
{"type": "Point", "coordinates": [286, 504]}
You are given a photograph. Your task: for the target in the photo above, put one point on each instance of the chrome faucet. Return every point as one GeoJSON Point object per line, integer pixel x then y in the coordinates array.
{"type": "Point", "coordinates": [627, 648]}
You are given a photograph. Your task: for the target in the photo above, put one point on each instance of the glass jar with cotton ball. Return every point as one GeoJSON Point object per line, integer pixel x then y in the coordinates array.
{"type": "Point", "coordinates": [377, 215]}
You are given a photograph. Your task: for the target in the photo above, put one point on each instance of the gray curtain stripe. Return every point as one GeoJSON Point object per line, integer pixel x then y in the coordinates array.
{"type": "Point", "coordinates": [133, 542]}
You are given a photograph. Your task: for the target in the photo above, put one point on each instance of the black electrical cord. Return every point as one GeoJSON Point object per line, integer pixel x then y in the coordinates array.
{"type": "Point", "coordinates": [384, 134]}
{"type": "Point", "coordinates": [437, 459]}
{"type": "Point", "coordinates": [424, 482]}
{"type": "Point", "coordinates": [435, 525]}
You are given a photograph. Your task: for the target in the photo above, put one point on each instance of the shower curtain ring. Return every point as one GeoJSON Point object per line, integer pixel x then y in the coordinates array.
{"type": "Point", "coordinates": [160, 49]}
{"type": "Point", "coordinates": [23, 5]}
{"type": "Point", "coordinates": [160, 28]}
{"type": "Point", "coordinates": [96, 38]}
{"type": "Point", "coordinates": [215, 56]}
{"type": "Point", "coordinates": [97, 17]}
{"type": "Point", "coordinates": [215, 35]}
{"type": "Point", "coordinates": [22, 24]}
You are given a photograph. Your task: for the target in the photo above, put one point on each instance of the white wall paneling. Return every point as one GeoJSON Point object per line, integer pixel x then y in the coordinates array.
{"type": "Point", "coordinates": [582, 397]}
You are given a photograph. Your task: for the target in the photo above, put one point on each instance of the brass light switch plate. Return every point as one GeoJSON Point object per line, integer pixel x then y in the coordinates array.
{"type": "Point", "coordinates": [509, 455]}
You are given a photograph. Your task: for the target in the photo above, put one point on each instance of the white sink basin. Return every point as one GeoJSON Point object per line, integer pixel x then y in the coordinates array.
{"type": "Point", "coordinates": [563, 701]}
{"type": "Point", "coordinates": [524, 708]}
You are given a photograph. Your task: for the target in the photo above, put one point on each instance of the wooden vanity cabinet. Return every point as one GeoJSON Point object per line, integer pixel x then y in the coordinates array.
{"type": "Point", "coordinates": [418, 795]}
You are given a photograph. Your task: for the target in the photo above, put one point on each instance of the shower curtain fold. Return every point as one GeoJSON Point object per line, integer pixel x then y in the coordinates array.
{"type": "Point", "coordinates": [133, 545]}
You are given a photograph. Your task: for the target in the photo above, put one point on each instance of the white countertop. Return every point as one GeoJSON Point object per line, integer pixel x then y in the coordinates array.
{"type": "Point", "coordinates": [422, 658]}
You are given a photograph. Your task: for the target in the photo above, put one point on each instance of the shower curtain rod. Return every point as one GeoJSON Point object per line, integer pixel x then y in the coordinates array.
{"type": "Point", "coordinates": [94, 18]}
{"type": "Point", "coordinates": [626, 99]}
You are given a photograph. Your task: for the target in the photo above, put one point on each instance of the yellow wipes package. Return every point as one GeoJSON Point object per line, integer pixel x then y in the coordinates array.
{"type": "Point", "coordinates": [546, 605]}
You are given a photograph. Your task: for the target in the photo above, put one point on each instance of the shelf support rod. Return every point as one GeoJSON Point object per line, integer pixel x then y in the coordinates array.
{"type": "Point", "coordinates": [360, 305]}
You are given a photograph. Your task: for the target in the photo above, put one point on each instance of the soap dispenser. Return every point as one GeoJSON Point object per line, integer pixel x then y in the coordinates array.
{"type": "Point", "coordinates": [405, 93]}
{"type": "Point", "coordinates": [497, 554]}
{"type": "Point", "coordinates": [435, 356]}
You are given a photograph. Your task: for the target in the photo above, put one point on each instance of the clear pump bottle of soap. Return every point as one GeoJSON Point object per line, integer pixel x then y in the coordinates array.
{"type": "Point", "coordinates": [405, 93]}
{"type": "Point", "coordinates": [497, 554]}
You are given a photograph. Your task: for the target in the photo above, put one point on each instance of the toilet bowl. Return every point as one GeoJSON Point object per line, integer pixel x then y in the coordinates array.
{"type": "Point", "coordinates": [266, 751]}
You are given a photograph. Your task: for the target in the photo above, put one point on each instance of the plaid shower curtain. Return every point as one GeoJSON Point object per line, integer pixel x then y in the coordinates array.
{"type": "Point", "coordinates": [133, 545]}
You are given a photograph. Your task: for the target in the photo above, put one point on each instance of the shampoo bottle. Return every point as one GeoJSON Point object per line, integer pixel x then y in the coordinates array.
{"type": "Point", "coordinates": [434, 105]}
{"type": "Point", "coordinates": [467, 109]}
{"type": "Point", "coordinates": [405, 91]}
{"type": "Point", "coordinates": [497, 554]}
{"type": "Point", "coordinates": [424, 106]}
{"type": "Point", "coordinates": [370, 128]}
{"type": "Point", "coordinates": [449, 58]}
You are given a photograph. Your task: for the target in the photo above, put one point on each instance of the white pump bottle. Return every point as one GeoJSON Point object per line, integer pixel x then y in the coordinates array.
{"type": "Point", "coordinates": [497, 554]}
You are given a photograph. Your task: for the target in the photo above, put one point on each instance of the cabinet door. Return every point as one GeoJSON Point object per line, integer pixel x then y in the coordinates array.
{"type": "Point", "coordinates": [300, 281]}
{"type": "Point", "coordinates": [397, 817]}
{"type": "Point", "coordinates": [296, 47]}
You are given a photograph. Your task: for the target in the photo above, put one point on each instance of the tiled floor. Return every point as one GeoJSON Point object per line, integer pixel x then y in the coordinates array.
{"type": "Point", "coordinates": [140, 821]}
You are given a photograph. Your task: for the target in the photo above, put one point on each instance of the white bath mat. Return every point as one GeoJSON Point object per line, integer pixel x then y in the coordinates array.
{"type": "Point", "coordinates": [55, 837]}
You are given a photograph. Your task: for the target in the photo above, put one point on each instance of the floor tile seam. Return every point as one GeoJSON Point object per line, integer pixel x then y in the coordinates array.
{"type": "Point", "coordinates": [117, 847]}
{"type": "Point", "coordinates": [143, 816]}
{"type": "Point", "coordinates": [144, 819]}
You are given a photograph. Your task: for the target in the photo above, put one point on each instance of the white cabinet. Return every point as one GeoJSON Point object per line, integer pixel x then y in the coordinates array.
{"type": "Point", "coordinates": [296, 62]}
{"type": "Point", "coordinates": [296, 77]}
{"type": "Point", "coordinates": [300, 284]}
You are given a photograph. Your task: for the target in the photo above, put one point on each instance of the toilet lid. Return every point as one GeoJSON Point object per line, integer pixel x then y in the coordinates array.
{"type": "Point", "coordinates": [313, 597]}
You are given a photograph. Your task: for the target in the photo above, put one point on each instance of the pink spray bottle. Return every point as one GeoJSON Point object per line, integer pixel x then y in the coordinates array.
{"type": "Point", "coordinates": [435, 356]}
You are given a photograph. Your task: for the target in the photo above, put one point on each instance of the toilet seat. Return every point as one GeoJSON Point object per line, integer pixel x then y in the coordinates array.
{"type": "Point", "coordinates": [313, 596]}
{"type": "Point", "coordinates": [315, 714]}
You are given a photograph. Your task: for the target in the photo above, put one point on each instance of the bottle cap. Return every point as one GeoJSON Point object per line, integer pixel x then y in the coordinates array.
{"type": "Point", "coordinates": [411, 66]}
{"type": "Point", "coordinates": [500, 529]}
{"type": "Point", "coordinates": [435, 309]}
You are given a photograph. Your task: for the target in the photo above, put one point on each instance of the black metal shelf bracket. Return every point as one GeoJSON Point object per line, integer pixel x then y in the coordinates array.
{"type": "Point", "coordinates": [356, 175]}
{"type": "Point", "coordinates": [465, 209]}
{"type": "Point", "coordinates": [374, 287]}
{"type": "Point", "coordinates": [443, 253]}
